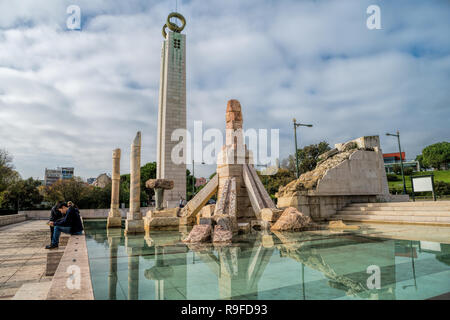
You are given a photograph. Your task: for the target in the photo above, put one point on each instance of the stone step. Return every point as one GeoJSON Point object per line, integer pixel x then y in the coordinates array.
{"type": "Point", "coordinates": [393, 208]}
{"type": "Point", "coordinates": [33, 291]}
{"type": "Point", "coordinates": [403, 204]}
{"type": "Point", "coordinates": [394, 219]}
{"type": "Point", "coordinates": [395, 213]}
{"type": "Point", "coordinates": [172, 212]}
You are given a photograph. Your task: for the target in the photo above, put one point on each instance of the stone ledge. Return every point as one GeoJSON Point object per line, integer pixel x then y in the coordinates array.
{"type": "Point", "coordinates": [161, 223]}
{"type": "Point", "coordinates": [75, 255]}
{"type": "Point", "coordinates": [85, 213]}
{"type": "Point", "coordinates": [12, 218]}
{"type": "Point", "coordinates": [33, 291]}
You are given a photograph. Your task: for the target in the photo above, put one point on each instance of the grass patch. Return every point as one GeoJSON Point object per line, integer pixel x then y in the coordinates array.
{"type": "Point", "coordinates": [438, 176]}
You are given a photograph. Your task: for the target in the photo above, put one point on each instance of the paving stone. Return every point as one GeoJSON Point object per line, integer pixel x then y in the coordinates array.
{"type": "Point", "coordinates": [23, 255]}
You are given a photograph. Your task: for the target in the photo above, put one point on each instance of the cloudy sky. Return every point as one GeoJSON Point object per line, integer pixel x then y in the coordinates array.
{"type": "Point", "coordinates": [67, 98]}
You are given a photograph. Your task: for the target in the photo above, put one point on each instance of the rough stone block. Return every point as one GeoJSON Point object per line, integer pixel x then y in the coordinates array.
{"type": "Point", "coordinates": [134, 226]}
{"type": "Point", "coordinates": [291, 219]}
{"type": "Point", "coordinates": [244, 227]}
{"type": "Point", "coordinates": [114, 222]}
{"type": "Point", "coordinates": [159, 183]}
{"type": "Point", "coordinates": [270, 215]}
{"type": "Point", "coordinates": [187, 220]}
{"type": "Point", "coordinates": [200, 233]}
{"type": "Point", "coordinates": [208, 211]}
{"type": "Point", "coordinates": [227, 222]}
{"type": "Point", "coordinates": [324, 156]}
{"type": "Point", "coordinates": [207, 221]}
{"type": "Point", "coordinates": [338, 224]}
{"type": "Point", "coordinates": [165, 223]}
{"type": "Point", "coordinates": [288, 201]}
{"type": "Point", "coordinates": [221, 234]}
{"type": "Point", "coordinates": [172, 212]}
{"type": "Point", "coordinates": [267, 241]}
{"type": "Point", "coordinates": [260, 225]}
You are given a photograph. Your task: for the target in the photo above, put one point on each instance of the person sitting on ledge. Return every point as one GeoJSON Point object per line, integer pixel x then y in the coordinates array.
{"type": "Point", "coordinates": [71, 224]}
{"type": "Point", "coordinates": [55, 215]}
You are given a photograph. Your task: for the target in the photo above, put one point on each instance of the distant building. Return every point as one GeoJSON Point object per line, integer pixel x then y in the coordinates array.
{"type": "Point", "coordinates": [67, 173]}
{"type": "Point", "coordinates": [90, 180]}
{"type": "Point", "coordinates": [391, 159]}
{"type": "Point", "coordinates": [53, 175]}
{"type": "Point", "coordinates": [102, 181]}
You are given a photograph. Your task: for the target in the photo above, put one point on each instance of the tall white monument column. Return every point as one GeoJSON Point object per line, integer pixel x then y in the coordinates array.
{"type": "Point", "coordinates": [134, 222]}
{"type": "Point", "coordinates": [114, 216]}
{"type": "Point", "coordinates": [172, 110]}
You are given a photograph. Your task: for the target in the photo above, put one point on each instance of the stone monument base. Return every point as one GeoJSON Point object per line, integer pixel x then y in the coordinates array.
{"type": "Point", "coordinates": [321, 207]}
{"type": "Point", "coordinates": [166, 219]}
{"type": "Point", "coordinates": [114, 222]}
{"type": "Point", "coordinates": [134, 226]}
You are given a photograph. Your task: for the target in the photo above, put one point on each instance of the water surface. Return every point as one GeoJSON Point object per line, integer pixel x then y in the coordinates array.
{"type": "Point", "coordinates": [290, 265]}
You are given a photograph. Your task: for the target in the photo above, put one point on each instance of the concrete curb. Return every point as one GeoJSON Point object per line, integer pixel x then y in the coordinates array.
{"type": "Point", "coordinates": [72, 279]}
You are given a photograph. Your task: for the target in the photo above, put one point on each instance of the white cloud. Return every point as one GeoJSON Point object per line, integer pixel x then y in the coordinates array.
{"type": "Point", "coordinates": [69, 97]}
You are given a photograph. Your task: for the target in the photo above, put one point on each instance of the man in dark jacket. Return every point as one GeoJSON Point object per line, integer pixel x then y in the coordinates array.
{"type": "Point", "coordinates": [71, 224]}
{"type": "Point", "coordinates": [55, 215]}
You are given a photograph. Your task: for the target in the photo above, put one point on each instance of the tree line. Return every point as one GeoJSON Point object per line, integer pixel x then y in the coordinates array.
{"type": "Point", "coordinates": [19, 194]}
{"type": "Point", "coordinates": [25, 194]}
{"type": "Point", "coordinates": [435, 156]}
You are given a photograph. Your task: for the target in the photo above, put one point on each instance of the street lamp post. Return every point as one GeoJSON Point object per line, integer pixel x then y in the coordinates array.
{"type": "Point", "coordinates": [401, 158]}
{"type": "Point", "coordinates": [295, 137]}
{"type": "Point", "coordinates": [193, 180]}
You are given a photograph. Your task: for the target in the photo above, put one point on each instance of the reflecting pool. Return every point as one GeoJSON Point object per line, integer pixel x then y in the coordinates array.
{"type": "Point", "coordinates": [369, 263]}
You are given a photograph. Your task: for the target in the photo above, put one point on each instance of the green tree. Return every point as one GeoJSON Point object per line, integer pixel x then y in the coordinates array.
{"type": "Point", "coordinates": [437, 155]}
{"type": "Point", "coordinates": [124, 189]}
{"type": "Point", "coordinates": [190, 180]}
{"type": "Point", "coordinates": [21, 194]}
{"type": "Point", "coordinates": [148, 171]}
{"type": "Point", "coordinates": [307, 157]}
{"type": "Point", "coordinates": [95, 197]}
{"type": "Point", "coordinates": [273, 182]}
{"type": "Point", "coordinates": [442, 188]}
{"type": "Point", "coordinates": [289, 164]}
{"type": "Point", "coordinates": [66, 190]}
{"type": "Point", "coordinates": [7, 173]}
{"type": "Point", "coordinates": [407, 171]}
{"type": "Point", "coordinates": [392, 177]}
{"type": "Point", "coordinates": [397, 169]}
{"type": "Point", "coordinates": [422, 165]}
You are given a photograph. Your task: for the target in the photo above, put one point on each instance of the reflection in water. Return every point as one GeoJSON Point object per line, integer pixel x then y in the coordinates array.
{"type": "Point", "coordinates": [134, 245]}
{"type": "Point", "coordinates": [237, 268]}
{"type": "Point", "coordinates": [114, 235]}
{"type": "Point", "coordinates": [335, 263]}
{"type": "Point", "coordinates": [328, 266]}
{"type": "Point", "coordinates": [170, 269]}
{"type": "Point", "coordinates": [159, 272]}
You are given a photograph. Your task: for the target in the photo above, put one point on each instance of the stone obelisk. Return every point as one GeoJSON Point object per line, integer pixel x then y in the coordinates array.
{"type": "Point", "coordinates": [114, 216]}
{"type": "Point", "coordinates": [134, 223]}
{"type": "Point", "coordinates": [172, 109]}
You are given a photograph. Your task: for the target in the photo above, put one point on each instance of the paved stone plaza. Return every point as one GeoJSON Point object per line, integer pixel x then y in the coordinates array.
{"type": "Point", "coordinates": [23, 257]}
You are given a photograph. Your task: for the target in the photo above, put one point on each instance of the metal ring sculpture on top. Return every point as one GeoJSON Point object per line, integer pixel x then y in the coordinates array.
{"type": "Point", "coordinates": [172, 26]}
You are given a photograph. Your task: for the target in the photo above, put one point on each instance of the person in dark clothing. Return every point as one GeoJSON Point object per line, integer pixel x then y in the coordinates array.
{"type": "Point", "coordinates": [54, 215]}
{"type": "Point", "coordinates": [71, 224]}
